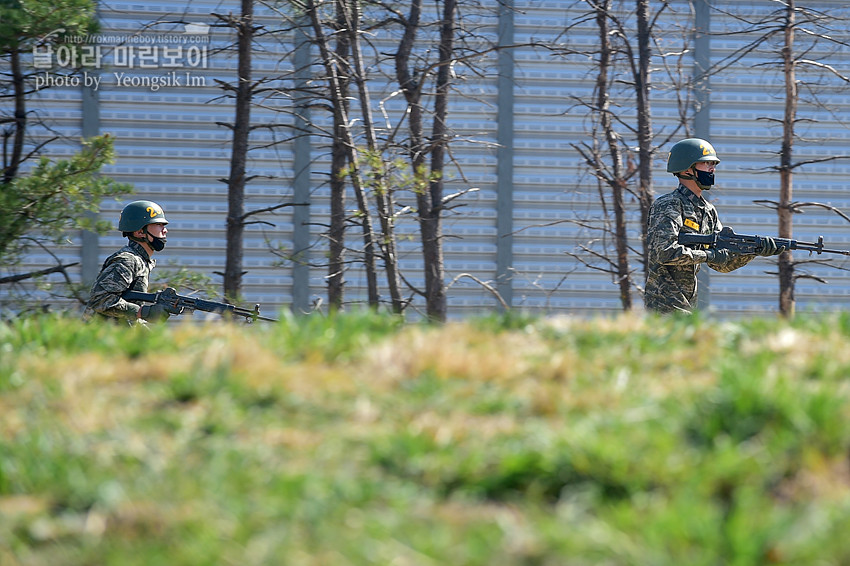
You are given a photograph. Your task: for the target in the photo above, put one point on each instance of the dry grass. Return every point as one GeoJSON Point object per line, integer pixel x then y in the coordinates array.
{"type": "Point", "coordinates": [358, 440]}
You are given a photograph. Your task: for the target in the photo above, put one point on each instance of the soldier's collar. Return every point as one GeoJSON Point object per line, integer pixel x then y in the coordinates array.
{"type": "Point", "coordinates": [140, 249]}
{"type": "Point", "coordinates": [689, 194]}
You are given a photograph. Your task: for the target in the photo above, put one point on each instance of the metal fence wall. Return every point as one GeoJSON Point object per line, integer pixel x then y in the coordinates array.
{"type": "Point", "coordinates": [172, 147]}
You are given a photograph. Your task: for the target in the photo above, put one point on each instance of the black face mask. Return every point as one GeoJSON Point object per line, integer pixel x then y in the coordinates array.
{"type": "Point", "coordinates": [158, 244]}
{"type": "Point", "coordinates": [704, 179]}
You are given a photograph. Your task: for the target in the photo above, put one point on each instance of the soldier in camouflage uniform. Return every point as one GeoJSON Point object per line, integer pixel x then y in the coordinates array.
{"type": "Point", "coordinates": [671, 283]}
{"type": "Point", "coordinates": [143, 223]}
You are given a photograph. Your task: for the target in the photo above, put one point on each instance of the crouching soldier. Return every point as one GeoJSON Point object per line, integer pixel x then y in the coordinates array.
{"type": "Point", "coordinates": [143, 223]}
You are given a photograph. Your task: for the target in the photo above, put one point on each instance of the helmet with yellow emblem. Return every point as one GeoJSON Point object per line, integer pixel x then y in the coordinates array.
{"type": "Point", "coordinates": [686, 152]}
{"type": "Point", "coordinates": [139, 214]}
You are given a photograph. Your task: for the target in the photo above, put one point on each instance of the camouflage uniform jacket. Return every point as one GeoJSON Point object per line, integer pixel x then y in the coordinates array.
{"type": "Point", "coordinates": [128, 268]}
{"type": "Point", "coordinates": [671, 282]}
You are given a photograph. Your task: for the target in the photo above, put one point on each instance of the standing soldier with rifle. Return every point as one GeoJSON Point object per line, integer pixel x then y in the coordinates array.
{"type": "Point", "coordinates": [143, 223]}
{"type": "Point", "coordinates": [671, 282]}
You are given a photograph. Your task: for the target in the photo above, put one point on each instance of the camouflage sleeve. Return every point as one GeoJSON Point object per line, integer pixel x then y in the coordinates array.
{"type": "Point", "coordinates": [105, 297]}
{"type": "Point", "coordinates": [663, 236]}
{"type": "Point", "coordinates": [734, 262]}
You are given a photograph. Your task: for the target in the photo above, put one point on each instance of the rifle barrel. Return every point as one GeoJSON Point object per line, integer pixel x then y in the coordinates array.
{"type": "Point", "coordinates": [821, 250]}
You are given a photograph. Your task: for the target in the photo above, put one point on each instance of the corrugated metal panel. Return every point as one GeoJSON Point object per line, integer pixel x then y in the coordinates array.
{"type": "Point", "coordinates": [743, 98]}
{"type": "Point", "coordinates": [171, 148]}
{"type": "Point", "coordinates": [174, 150]}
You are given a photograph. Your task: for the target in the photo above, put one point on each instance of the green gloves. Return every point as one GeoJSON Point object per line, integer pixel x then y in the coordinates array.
{"type": "Point", "coordinates": [769, 247]}
{"type": "Point", "coordinates": [154, 313]}
{"type": "Point", "coordinates": [717, 256]}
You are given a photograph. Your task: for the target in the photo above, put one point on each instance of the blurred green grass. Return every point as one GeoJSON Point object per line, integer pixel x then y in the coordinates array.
{"type": "Point", "coordinates": [358, 439]}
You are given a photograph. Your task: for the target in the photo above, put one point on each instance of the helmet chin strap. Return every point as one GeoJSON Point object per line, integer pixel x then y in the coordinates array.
{"type": "Point", "coordinates": [137, 239]}
{"type": "Point", "coordinates": [703, 179]}
{"type": "Point", "coordinates": [156, 244]}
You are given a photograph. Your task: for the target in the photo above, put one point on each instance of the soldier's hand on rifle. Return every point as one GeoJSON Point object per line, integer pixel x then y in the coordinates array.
{"type": "Point", "coordinates": [717, 256]}
{"type": "Point", "coordinates": [171, 293]}
{"type": "Point", "coordinates": [154, 313]}
{"type": "Point", "coordinates": [769, 247]}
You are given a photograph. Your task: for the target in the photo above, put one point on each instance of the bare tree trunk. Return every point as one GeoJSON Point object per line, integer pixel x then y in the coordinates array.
{"type": "Point", "coordinates": [411, 87]}
{"type": "Point", "coordinates": [383, 193]}
{"type": "Point", "coordinates": [430, 217]}
{"type": "Point", "coordinates": [786, 264]}
{"type": "Point", "coordinates": [617, 183]}
{"type": "Point", "coordinates": [10, 169]}
{"type": "Point", "coordinates": [236, 182]}
{"type": "Point", "coordinates": [339, 159]}
{"type": "Point", "coordinates": [644, 119]}
{"type": "Point", "coordinates": [341, 118]}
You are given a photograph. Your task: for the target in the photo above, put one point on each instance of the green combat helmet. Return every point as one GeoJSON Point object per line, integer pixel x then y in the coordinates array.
{"type": "Point", "coordinates": [139, 214]}
{"type": "Point", "coordinates": [689, 151]}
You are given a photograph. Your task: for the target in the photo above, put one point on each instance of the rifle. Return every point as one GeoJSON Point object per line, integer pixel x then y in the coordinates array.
{"type": "Point", "coordinates": [727, 239]}
{"type": "Point", "coordinates": [176, 304]}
